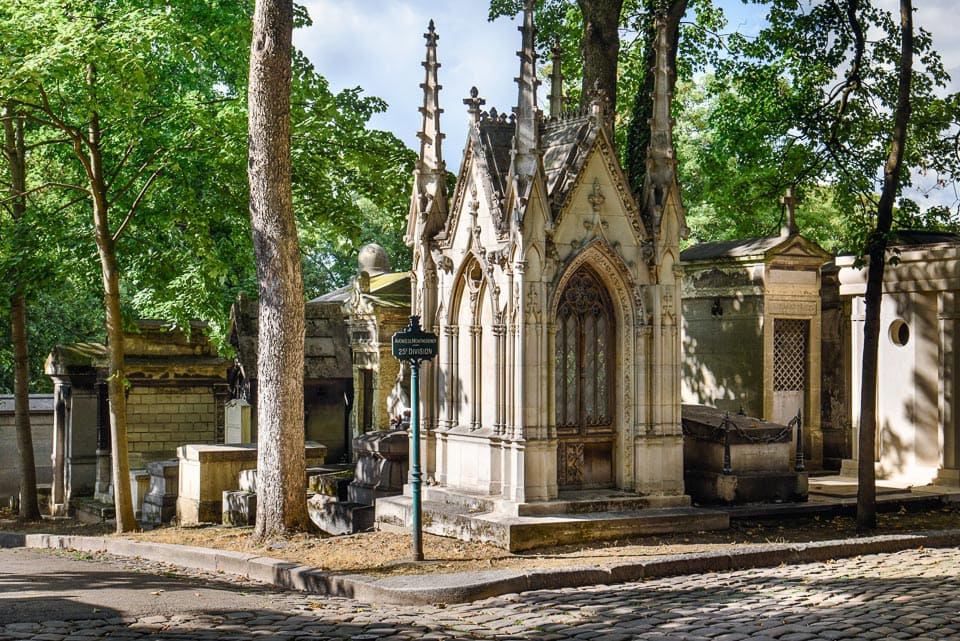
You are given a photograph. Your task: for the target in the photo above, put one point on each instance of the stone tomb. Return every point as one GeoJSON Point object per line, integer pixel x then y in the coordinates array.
{"type": "Point", "coordinates": [380, 470]}
{"type": "Point", "coordinates": [918, 439]}
{"type": "Point", "coordinates": [738, 459]}
{"type": "Point", "coordinates": [206, 471]}
{"type": "Point", "coordinates": [176, 395]}
{"type": "Point", "coordinates": [555, 294]}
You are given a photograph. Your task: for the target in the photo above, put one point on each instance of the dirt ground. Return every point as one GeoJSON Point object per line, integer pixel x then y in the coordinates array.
{"type": "Point", "coordinates": [386, 553]}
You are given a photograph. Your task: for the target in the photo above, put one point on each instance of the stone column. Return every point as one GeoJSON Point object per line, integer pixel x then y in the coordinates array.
{"type": "Point", "coordinates": [58, 458]}
{"type": "Point", "coordinates": [499, 333]}
{"type": "Point", "coordinates": [949, 392]}
{"type": "Point", "coordinates": [476, 367]}
{"type": "Point", "coordinates": [103, 488]}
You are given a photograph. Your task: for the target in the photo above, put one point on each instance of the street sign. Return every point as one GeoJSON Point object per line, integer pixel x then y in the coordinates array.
{"type": "Point", "coordinates": [412, 343]}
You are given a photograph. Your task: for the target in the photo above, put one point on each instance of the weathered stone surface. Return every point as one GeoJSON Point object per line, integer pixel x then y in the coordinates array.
{"type": "Point", "coordinates": [381, 465]}
{"type": "Point", "coordinates": [206, 471]}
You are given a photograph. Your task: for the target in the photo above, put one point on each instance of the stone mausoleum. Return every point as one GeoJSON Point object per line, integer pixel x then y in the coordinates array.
{"type": "Point", "coordinates": [751, 329]}
{"type": "Point", "coordinates": [918, 422]}
{"type": "Point", "coordinates": [176, 393]}
{"type": "Point", "coordinates": [556, 298]}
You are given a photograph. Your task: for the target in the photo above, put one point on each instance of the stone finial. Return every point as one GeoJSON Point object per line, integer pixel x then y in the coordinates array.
{"type": "Point", "coordinates": [789, 201]}
{"type": "Point", "coordinates": [473, 103]}
{"type": "Point", "coordinates": [556, 79]}
{"type": "Point", "coordinates": [599, 101]}
{"type": "Point", "coordinates": [373, 259]}
{"type": "Point", "coordinates": [527, 82]}
{"type": "Point", "coordinates": [430, 136]}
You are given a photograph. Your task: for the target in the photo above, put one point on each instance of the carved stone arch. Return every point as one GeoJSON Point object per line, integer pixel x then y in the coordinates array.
{"type": "Point", "coordinates": [614, 273]}
{"type": "Point", "coordinates": [473, 275]}
{"type": "Point", "coordinates": [594, 450]}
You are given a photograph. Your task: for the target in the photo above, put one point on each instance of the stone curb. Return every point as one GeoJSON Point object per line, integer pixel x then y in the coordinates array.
{"type": "Point", "coordinates": [463, 587]}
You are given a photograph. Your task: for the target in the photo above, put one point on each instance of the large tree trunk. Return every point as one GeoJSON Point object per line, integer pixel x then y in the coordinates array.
{"type": "Point", "coordinates": [281, 495]}
{"type": "Point", "coordinates": [15, 154]}
{"type": "Point", "coordinates": [866, 484]}
{"type": "Point", "coordinates": [116, 383]}
{"type": "Point", "coordinates": [600, 48]}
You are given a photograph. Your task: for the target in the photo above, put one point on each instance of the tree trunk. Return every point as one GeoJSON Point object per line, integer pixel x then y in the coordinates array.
{"type": "Point", "coordinates": [638, 131]}
{"type": "Point", "coordinates": [281, 497]}
{"type": "Point", "coordinates": [15, 154]}
{"type": "Point", "coordinates": [116, 383]}
{"type": "Point", "coordinates": [600, 48]}
{"type": "Point", "coordinates": [29, 507]}
{"type": "Point", "coordinates": [866, 484]}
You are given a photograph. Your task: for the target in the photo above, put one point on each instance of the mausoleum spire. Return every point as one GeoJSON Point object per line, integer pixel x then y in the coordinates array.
{"type": "Point", "coordinates": [430, 136]}
{"type": "Point", "coordinates": [428, 209]}
{"type": "Point", "coordinates": [556, 79]}
{"type": "Point", "coordinates": [661, 159]}
{"type": "Point", "coordinates": [525, 141]}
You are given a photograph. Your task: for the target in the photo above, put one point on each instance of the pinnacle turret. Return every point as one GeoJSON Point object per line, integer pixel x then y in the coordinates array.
{"type": "Point", "coordinates": [556, 80]}
{"type": "Point", "coordinates": [527, 114]}
{"type": "Point", "coordinates": [661, 159]}
{"type": "Point", "coordinates": [431, 157]}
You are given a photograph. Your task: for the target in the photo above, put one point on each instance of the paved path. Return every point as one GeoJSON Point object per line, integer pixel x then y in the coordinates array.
{"type": "Point", "coordinates": [908, 595]}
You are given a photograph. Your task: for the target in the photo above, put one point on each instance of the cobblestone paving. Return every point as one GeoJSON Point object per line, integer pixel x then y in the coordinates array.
{"type": "Point", "coordinates": [909, 595]}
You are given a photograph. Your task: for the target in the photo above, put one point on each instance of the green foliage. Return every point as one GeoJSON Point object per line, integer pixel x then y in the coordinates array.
{"type": "Point", "coordinates": [170, 95]}
{"type": "Point", "coordinates": [812, 99]}
{"type": "Point", "coordinates": [758, 114]}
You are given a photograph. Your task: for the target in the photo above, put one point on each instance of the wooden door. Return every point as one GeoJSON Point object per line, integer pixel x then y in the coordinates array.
{"type": "Point", "coordinates": [583, 375]}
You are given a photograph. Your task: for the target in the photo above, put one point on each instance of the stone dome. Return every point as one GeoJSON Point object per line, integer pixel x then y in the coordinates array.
{"type": "Point", "coordinates": [373, 259]}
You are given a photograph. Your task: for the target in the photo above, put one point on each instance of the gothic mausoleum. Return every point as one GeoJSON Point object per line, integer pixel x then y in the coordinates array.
{"type": "Point", "coordinates": [556, 298]}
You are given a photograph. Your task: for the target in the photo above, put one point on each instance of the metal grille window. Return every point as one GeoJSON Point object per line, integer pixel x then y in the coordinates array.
{"type": "Point", "coordinates": [582, 374]}
{"type": "Point", "coordinates": [789, 354]}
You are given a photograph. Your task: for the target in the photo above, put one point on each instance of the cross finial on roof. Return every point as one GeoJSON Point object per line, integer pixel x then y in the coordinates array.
{"type": "Point", "coordinates": [789, 201]}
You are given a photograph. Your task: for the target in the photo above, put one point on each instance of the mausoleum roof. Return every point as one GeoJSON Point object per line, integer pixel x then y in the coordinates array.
{"type": "Point", "coordinates": [758, 248]}
{"type": "Point", "coordinates": [731, 248]}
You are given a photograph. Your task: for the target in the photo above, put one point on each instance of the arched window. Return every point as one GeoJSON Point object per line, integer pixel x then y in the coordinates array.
{"type": "Point", "coordinates": [582, 364]}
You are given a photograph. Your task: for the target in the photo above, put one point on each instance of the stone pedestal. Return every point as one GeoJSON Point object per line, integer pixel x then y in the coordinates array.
{"type": "Point", "coordinates": [160, 501]}
{"type": "Point", "coordinates": [381, 467]}
{"type": "Point", "coordinates": [206, 471]}
{"type": "Point", "coordinates": [139, 485]}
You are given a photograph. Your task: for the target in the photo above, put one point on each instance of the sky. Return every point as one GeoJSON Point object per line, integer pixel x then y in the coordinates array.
{"type": "Point", "coordinates": [378, 45]}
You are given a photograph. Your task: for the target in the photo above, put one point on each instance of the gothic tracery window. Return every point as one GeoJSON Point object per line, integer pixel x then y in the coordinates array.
{"type": "Point", "coordinates": [582, 364]}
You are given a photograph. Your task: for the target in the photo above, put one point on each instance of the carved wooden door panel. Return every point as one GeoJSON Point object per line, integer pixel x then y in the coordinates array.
{"type": "Point", "coordinates": [583, 375]}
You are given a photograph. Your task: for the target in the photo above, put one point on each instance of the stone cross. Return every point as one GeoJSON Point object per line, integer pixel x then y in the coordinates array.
{"type": "Point", "coordinates": [789, 201]}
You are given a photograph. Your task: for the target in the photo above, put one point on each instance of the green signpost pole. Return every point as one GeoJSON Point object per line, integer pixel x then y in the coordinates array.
{"type": "Point", "coordinates": [414, 345]}
{"type": "Point", "coordinates": [415, 475]}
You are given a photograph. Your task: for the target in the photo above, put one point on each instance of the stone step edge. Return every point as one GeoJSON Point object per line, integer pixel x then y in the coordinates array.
{"type": "Point", "coordinates": [471, 586]}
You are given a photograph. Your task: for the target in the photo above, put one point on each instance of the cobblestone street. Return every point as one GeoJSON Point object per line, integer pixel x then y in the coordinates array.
{"type": "Point", "coordinates": [908, 595]}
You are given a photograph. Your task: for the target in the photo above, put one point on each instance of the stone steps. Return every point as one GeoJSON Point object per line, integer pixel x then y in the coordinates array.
{"type": "Point", "coordinates": [519, 533]}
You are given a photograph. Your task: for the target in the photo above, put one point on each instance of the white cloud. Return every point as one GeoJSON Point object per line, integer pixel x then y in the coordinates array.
{"type": "Point", "coordinates": [378, 45]}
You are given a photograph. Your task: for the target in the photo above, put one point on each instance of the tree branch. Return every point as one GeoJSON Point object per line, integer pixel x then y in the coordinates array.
{"type": "Point", "coordinates": [136, 203]}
